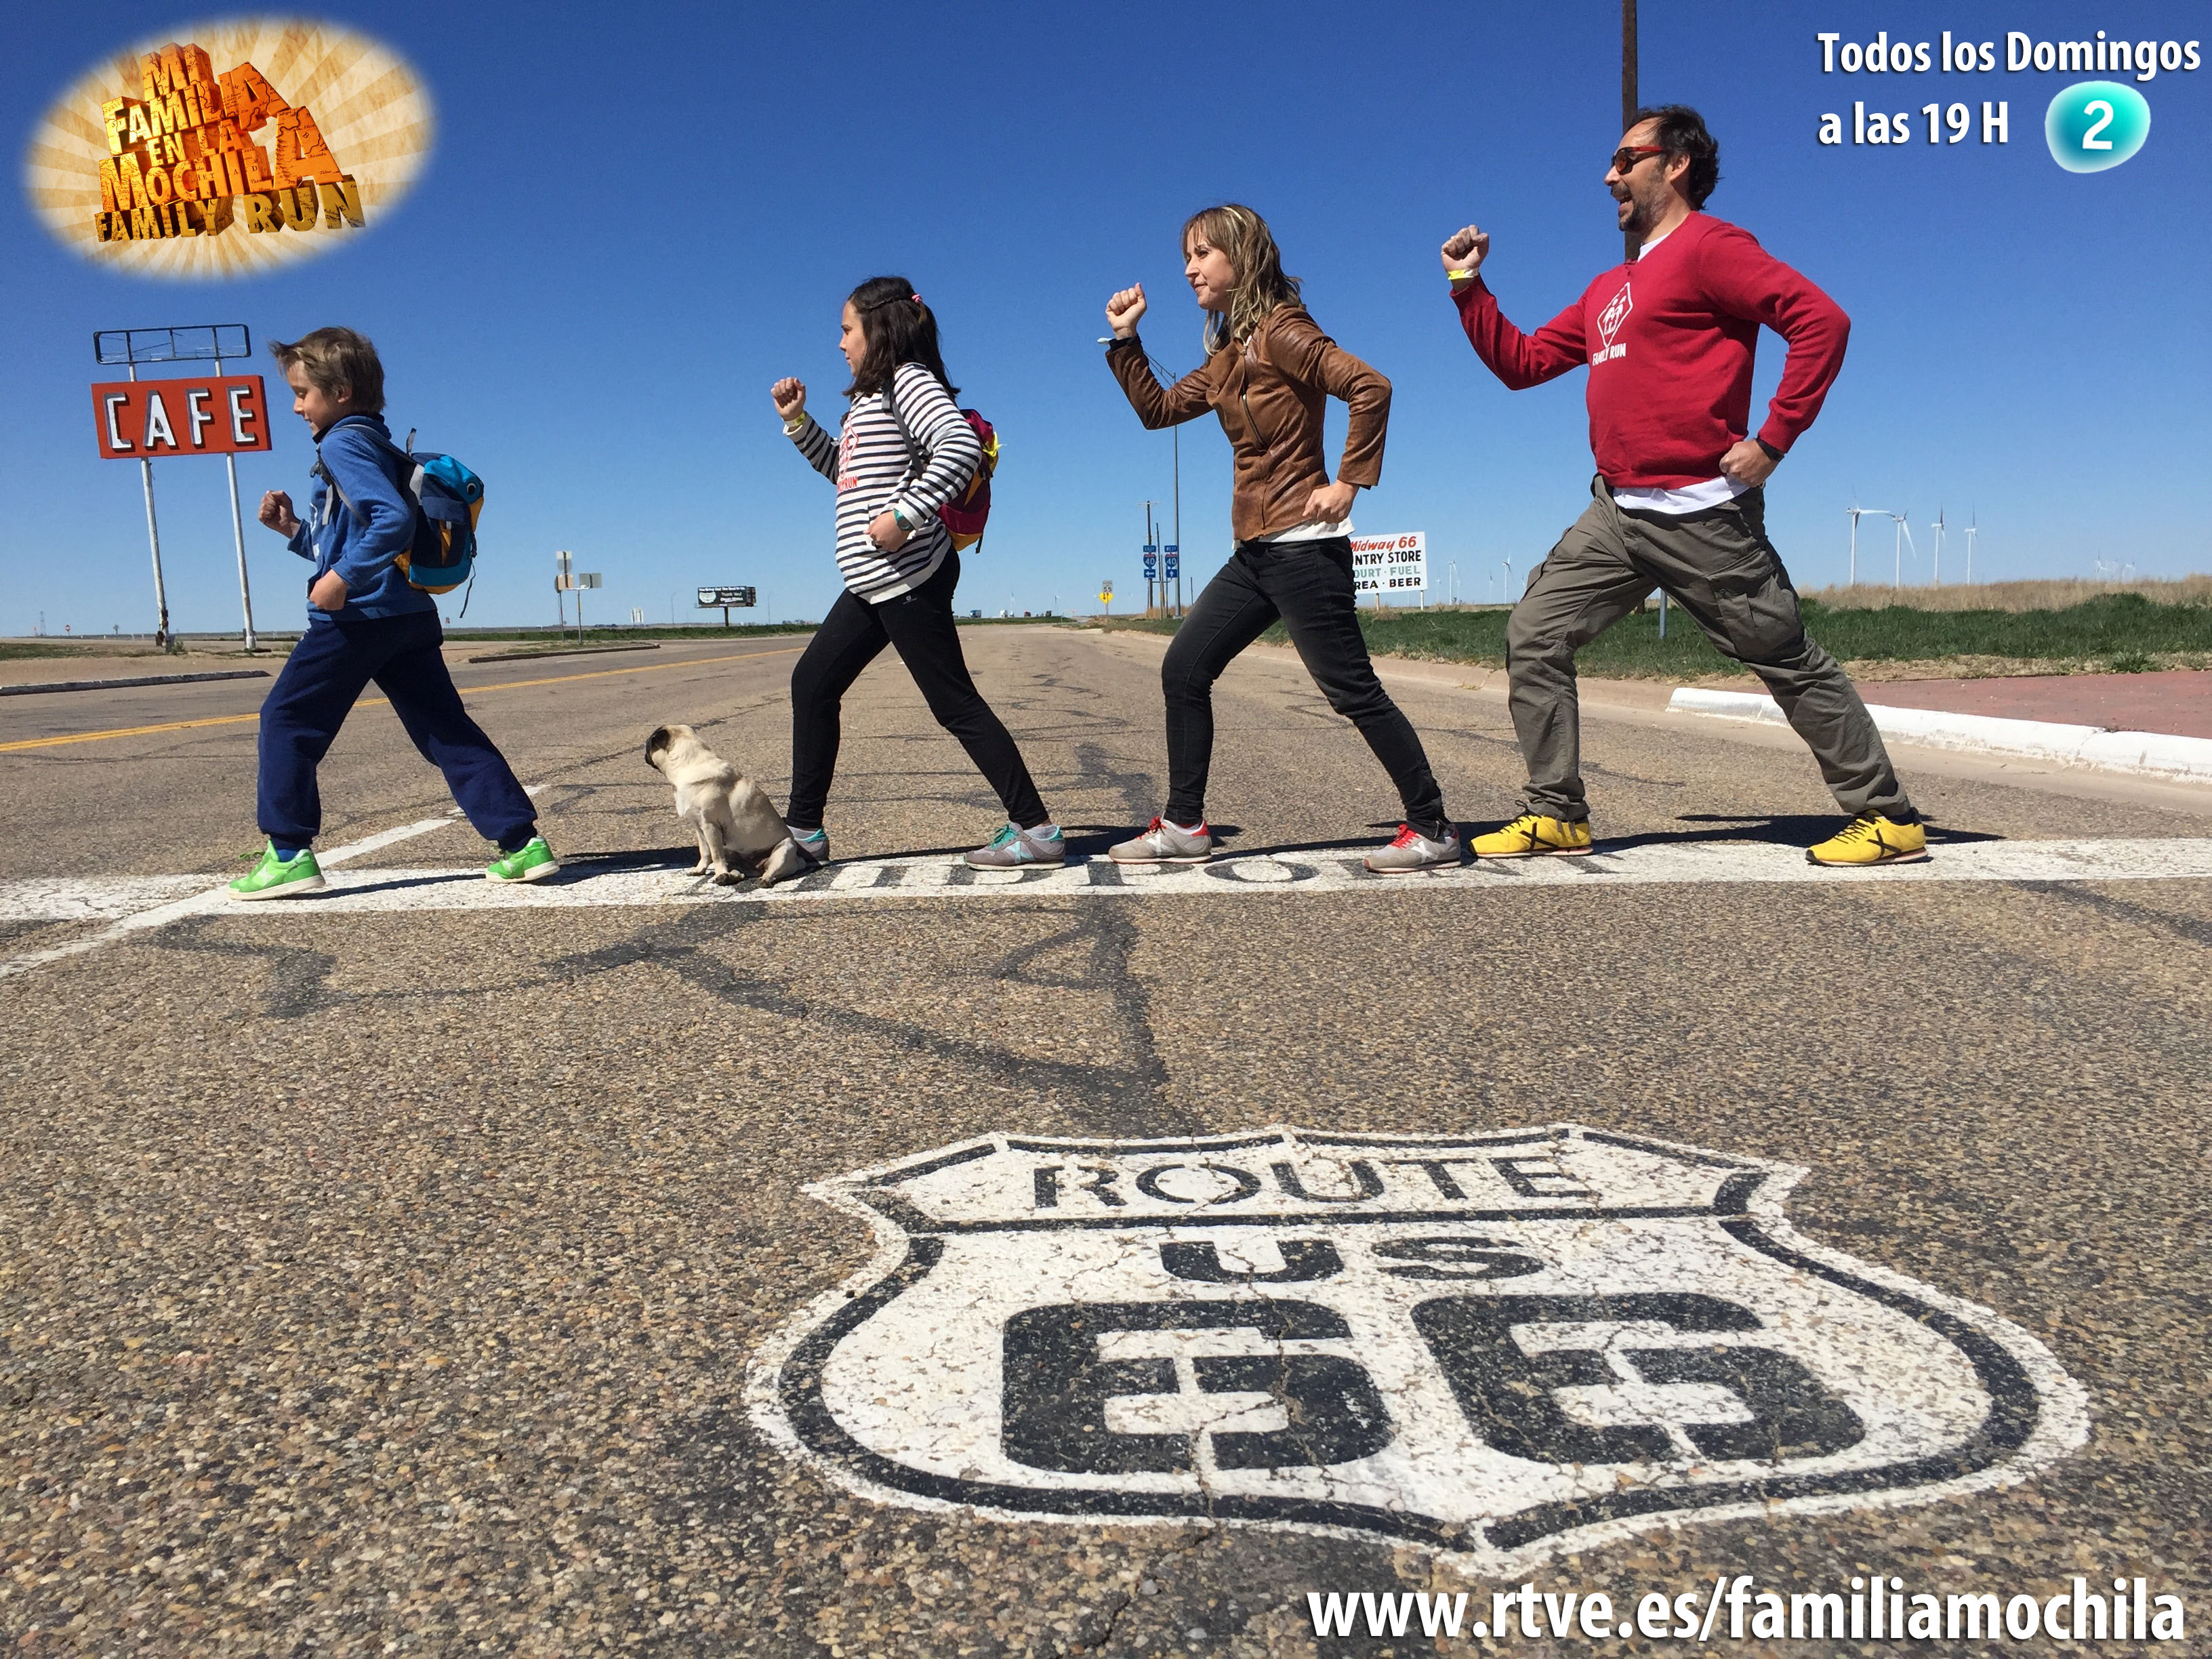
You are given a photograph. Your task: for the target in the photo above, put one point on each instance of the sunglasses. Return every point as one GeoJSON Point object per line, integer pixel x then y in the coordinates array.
{"type": "Point", "coordinates": [1626, 158]}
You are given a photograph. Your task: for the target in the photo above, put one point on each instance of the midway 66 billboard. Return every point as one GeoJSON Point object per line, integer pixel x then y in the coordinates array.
{"type": "Point", "coordinates": [1390, 564]}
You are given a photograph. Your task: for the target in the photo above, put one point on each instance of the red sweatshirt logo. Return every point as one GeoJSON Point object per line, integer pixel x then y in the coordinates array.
{"type": "Point", "coordinates": [1608, 325]}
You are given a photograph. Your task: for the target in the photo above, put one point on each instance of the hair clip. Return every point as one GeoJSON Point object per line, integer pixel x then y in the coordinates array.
{"type": "Point", "coordinates": [916, 298]}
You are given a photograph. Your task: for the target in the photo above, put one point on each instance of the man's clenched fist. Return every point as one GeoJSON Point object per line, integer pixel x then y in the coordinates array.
{"type": "Point", "coordinates": [1466, 249]}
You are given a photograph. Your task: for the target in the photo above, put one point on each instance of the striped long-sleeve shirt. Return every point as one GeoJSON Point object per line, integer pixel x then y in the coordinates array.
{"type": "Point", "coordinates": [876, 472]}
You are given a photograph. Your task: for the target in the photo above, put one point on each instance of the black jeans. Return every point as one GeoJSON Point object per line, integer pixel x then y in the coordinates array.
{"type": "Point", "coordinates": [1309, 586]}
{"type": "Point", "coordinates": [919, 625]}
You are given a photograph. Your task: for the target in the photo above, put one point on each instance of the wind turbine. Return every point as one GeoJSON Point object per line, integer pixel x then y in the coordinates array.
{"type": "Point", "coordinates": [1858, 512]}
{"type": "Point", "coordinates": [1939, 547]}
{"type": "Point", "coordinates": [1970, 547]}
{"type": "Point", "coordinates": [1903, 535]}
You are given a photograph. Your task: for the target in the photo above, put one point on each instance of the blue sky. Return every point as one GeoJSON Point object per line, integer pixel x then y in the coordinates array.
{"type": "Point", "coordinates": [632, 225]}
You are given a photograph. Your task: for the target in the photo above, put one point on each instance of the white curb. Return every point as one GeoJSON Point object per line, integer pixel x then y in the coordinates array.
{"type": "Point", "coordinates": [2156, 753]}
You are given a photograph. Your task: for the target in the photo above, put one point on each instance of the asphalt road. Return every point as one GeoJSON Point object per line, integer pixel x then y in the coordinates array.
{"type": "Point", "coordinates": [439, 1278]}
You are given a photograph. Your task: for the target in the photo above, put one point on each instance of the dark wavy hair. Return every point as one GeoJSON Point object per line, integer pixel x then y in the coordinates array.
{"type": "Point", "coordinates": [1682, 133]}
{"type": "Point", "coordinates": [898, 328]}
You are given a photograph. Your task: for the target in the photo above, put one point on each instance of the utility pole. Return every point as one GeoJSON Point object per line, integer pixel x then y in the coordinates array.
{"type": "Point", "coordinates": [1175, 433]}
{"type": "Point", "coordinates": [1629, 101]}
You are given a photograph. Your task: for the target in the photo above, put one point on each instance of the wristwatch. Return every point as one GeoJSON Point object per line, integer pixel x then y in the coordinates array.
{"type": "Point", "coordinates": [1772, 454]}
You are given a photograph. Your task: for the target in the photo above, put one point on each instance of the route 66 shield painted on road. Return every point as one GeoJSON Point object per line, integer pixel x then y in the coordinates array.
{"type": "Point", "coordinates": [1499, 1345]}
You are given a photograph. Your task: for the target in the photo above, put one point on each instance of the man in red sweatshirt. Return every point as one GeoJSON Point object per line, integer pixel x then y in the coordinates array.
{"type": "Point", "coordinates": [1679, 501]}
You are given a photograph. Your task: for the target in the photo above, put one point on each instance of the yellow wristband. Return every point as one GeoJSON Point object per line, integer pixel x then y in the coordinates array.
{"type": "Point", "coordinates": [1458, 275]}
{"type": "Point", "coordinates": [796, 424]}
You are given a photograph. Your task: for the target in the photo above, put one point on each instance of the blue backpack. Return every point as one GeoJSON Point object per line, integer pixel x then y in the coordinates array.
{"type": "Point", "coordinates": [447, 498]}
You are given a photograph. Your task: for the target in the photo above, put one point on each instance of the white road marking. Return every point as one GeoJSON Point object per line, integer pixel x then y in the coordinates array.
{"type": "Point", "coordinates": [139, 901]}
{"type": "Point", "coordinates": [390, 890]}
{"type": "Point", "coordinates": [1504, 1345]}
{"type": "Point", "coordinates": [144, 902]}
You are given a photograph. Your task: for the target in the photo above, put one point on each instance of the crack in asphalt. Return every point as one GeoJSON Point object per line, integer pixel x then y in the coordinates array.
{"type": "Point", "coordinates": [1128, 1099]}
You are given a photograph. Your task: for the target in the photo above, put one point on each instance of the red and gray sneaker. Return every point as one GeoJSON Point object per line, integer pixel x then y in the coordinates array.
{"type": "Point", "coordinates": [1163, 843]}
{"type": "Point", "coordinates": [1413, 852]}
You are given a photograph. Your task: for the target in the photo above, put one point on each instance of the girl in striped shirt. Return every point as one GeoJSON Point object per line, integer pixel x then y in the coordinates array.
{"type": "Point", "coordinates": [902, 451]}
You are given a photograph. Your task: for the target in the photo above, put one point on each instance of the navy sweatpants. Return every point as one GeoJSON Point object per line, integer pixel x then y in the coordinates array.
{"type": "Point", "coordinates": [331, 666]}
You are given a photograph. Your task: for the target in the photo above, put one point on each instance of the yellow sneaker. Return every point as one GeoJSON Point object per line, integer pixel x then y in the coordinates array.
{"type": "Point", "coordinates": [1871, 838]}
{"type": "Point", "coordinates": [1531, 834]}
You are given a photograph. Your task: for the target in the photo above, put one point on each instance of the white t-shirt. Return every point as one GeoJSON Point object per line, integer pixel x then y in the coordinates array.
{"type": "Point", "coordinates": [1313, 530]}
{"type": "Point", "coordinates": [1691, 498]}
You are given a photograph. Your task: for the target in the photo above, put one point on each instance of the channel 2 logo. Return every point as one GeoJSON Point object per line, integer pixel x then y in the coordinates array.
{"type": "Point", "coordinates": [2094, 125]}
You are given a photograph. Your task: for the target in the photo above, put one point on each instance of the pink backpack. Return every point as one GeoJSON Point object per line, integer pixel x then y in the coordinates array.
{"type": "Point", "coordinates": [966, 513]}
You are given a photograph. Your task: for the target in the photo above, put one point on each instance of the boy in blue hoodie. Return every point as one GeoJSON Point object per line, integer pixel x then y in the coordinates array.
{"type": "Point", "coordinates": [365, 621]}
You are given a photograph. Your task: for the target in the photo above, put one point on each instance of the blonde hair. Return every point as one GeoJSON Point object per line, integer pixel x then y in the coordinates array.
{"type": "Point", "coordinates": [1243, 236]}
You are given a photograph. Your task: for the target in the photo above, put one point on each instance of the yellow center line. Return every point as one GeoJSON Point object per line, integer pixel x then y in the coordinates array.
{"type": "Point", "coordinates": [371, 702]}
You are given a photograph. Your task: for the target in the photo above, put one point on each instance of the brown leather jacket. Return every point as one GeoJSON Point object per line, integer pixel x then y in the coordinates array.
{"type": "Point", "coordinates": [1270, 393]}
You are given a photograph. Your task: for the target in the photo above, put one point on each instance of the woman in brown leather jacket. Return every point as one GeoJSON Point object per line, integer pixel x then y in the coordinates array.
{"type": "Point", "coordinates": [1268, 373]}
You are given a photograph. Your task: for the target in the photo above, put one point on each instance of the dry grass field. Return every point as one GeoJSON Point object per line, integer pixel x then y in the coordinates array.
{"type": "Point", "coordinates": [2009, 596]}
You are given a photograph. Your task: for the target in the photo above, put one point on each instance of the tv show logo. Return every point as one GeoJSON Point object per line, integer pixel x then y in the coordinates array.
{"type": "Point", "coordinates": [195, 158]}
{"type": "Point", "coordinates": [183, 158]}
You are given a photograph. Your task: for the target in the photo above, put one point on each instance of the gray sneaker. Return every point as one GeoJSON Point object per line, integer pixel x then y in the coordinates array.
{"type": "Point", "coordinates": [1012, 846]}
{"type": "Point", "coordinates": [1162, 843]}
{"type": "Point", "coordinates": [813, 845]}
{"type": "Point", "coordinates": [1412, 851]}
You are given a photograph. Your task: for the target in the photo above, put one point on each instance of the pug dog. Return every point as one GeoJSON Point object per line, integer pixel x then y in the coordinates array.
{"type": "Point", "coordinates": [739, 833]}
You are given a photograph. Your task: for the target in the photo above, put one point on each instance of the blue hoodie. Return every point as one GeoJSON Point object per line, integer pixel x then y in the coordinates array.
{"type": "Point", "coordinates": [334, 536]}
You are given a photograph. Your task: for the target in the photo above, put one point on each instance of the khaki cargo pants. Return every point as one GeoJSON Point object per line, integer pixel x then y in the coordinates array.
{"type": "Point", "coordinates": [1719, 567]}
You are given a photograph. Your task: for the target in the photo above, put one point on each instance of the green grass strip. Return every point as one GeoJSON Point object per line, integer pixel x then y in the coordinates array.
{"type": "Point", "coordinates": [2120, 633]}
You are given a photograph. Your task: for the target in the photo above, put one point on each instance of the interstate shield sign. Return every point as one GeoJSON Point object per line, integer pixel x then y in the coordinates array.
{"type": "Point", "coordinates": [1500, 1346]}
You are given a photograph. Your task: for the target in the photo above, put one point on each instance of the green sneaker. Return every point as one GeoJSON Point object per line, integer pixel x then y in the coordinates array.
{"type": "Point", "coordinates": [275, 877]}
{"type": "Point", "coordinates": [531, 862]}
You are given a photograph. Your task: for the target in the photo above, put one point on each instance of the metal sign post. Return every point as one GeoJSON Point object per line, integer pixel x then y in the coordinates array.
{"type": "Point", "coordinates": [1152, 553]}
{"type": "Point", "coordinates": [241, 423]}
{"type": "Point", "coordinates": [584, 579]}
{"type": "Point", "coordinates": [238, 523]}
{"type": "Point", "coordinates": [154, 535]}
